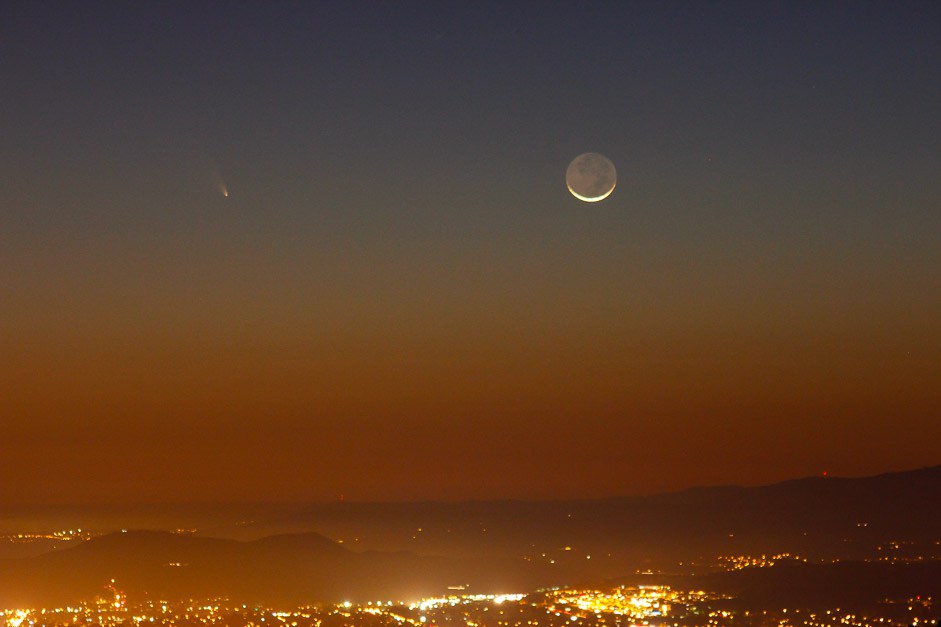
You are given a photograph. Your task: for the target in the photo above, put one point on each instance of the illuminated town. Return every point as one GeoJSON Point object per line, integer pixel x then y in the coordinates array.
{"type": "Point", "coordinates": [627, 606]}
{"type": "Point", "coordinates": [65, 535]}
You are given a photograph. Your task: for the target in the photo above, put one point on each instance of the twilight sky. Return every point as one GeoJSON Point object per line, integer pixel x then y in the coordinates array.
{"type": "Point", "coordinates": [399, 299]}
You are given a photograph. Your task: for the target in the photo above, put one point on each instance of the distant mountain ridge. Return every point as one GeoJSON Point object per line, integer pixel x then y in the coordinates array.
{"type": "Point", "coordinates": [837, 516]}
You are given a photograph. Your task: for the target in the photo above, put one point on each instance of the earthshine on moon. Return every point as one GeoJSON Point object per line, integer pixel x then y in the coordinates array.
{"type": "Point", "coordinates": [591, 177]}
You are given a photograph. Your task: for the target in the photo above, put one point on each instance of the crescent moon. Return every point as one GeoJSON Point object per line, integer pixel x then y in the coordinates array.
{"type": "Point", "coordinates": [591, 177]}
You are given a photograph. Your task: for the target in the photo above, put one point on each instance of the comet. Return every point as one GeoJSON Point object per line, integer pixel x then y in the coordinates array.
{"type": "Point", "coordinates": [216, 176]}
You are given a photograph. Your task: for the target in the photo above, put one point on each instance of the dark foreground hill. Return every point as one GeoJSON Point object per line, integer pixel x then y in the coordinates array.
{"type": "Point", "coordinates": [305, 568]}
{"type": "Point", "coordinates": [846, 584]}
{"type": "Point", "coordinates": [857, 585]}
